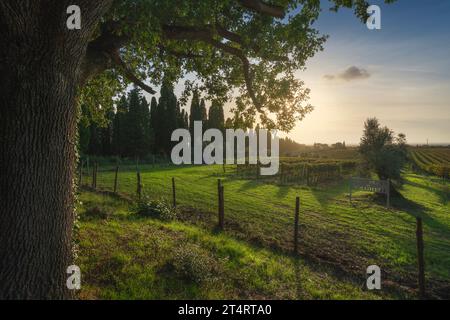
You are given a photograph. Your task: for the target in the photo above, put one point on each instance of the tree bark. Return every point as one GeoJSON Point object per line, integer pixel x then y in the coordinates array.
{"type": "Point", "coordinates": [40, 63]}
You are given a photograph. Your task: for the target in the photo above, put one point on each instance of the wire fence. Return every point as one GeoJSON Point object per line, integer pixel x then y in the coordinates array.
{"type": "Point", "coordinates": [210, 197]}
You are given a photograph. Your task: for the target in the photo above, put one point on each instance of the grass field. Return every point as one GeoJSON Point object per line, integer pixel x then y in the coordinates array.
{"type": "Point", "coordinates": [337, 240]}
{"type": "Point", "coordinates": [129, 257]}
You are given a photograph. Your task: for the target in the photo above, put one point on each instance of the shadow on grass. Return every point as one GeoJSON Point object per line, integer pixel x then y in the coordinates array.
{"type": "Point", "coordinates": [417, 210]}
{"type": "Point", "coordinates": [248, 185]}
{"type": "Point", "coordinates": [298, 279]}
{"type": "Point", "coordinates": [322, 257]}
{"type": "Point", "coordinates": [328, 193]}
{"type": "Point", "coordinates": [443, 195]}
{"type": "Point", "coordinates": [282, 190]}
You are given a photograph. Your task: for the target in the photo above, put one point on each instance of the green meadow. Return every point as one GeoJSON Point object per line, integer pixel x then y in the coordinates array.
{"type": "Point", "coordinates": [124, 255]}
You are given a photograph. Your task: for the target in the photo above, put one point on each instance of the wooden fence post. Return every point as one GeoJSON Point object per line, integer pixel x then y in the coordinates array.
{"type": "Point", "coordinates": [173, 193]}
{"type": "Point", "coordinates": [139, 185]}
{"type": "Point", "coordinates": [297, 211]}
{"type": "Point", "coordinates": [420, 258]}
{"type": "Point", "coordinates": [115, 179]}
{"type": "Point", "coordinates": [220, 204]}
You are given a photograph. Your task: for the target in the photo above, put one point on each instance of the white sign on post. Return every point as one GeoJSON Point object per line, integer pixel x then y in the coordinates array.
{"type": "Point", "coordinates": [378, 186]}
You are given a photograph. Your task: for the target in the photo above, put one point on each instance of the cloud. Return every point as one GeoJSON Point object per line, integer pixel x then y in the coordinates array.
{"type": "Point", "coordinates": [350, 74]}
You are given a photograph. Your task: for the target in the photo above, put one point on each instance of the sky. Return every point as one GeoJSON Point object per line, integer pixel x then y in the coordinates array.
{"type": "Point", "coordinates": [399, 74]}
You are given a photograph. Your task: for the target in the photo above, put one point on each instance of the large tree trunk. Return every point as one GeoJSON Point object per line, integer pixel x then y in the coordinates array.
{"type": "Point", "coordinates": [39, 71]}
{"type": "Point", "coordinates": [37, 156]}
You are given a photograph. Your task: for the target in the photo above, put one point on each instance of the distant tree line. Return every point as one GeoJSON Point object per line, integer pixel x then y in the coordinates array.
{"type": "Point", "coordinates": [136, 128]}
{"type": "Point", "coordinates": [337, 145]}
{"type": "Point", "coordinates": [289, 147]}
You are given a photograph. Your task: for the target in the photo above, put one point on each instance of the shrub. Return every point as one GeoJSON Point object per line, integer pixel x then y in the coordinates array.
{"type": "Point", "coordinates": [159, 209]}
{"type": "Point", "coordinates": [192, 263]}
{"type": "Point", "coordinates": [96, 213]}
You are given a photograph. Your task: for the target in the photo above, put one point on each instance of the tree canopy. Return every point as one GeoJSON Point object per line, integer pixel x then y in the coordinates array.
{"type": "Point", "coordinates": [137, 129]}
{"type": "Point", "coordinates": [382, 151]}
{"type": "Point", "coordinates": [243, 49]}
{"type": "Point", "coordinates": [246, 49]}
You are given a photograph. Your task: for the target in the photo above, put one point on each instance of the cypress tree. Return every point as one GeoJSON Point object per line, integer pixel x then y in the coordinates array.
{"type": "Point", "coordinates": [194, 114]}
{"type": "Point", "coordinates": [184, 120]}
{"type": "Point", "coordinates": [202, 112]}
{"type": "Point", "coordinates": [154, 124]}
{"type": "Point", "coordinates": [119, 135]}
{"type": "Point", "coordinates": [132, 124]}
{"type": "Point", "coordinates": [106, 135]}
{"type": "Point", "coordinates": [146, 126]}
{"type": "Point", "coordinates": [159, 124]}
{"type": "Point", "coordinates": [137, 124]}
{"type": "Point", "coordinates": [165, 114]}
{"type": "Point", "coordinates": [216, 117]}
{"type": "Point", "coordinates": [171, 117]}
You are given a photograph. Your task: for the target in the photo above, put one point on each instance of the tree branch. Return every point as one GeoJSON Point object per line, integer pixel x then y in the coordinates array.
{"type": "Point", "coordinates": [128, 73]}
{"type": "Point", "coordinates": [263, 8]}
{"type": "Point", "coordinates": [245, 66]}
{"type": "Point", "coordinates": [234, 37]}
{"type": "Point", "coordinates": [207, 35]}
{"type": "Point", "coordinates": [180, 54]}
{"type": "Point", "coordinates": [98, 52]}
{"type": "Point", "coordinates": [187, 32]}
{"type": "Point", "coordinates": [103, 53]}
{"type": "Point", "coordinates": [229, 35]}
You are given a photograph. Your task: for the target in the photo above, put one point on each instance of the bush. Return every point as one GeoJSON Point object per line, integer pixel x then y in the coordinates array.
{"type": "Point", "coordinates": [192, 263]}
{"type": "Point", "coordinates": [159, 209]}
{"type": "Point", "coordinates": [96, 213]}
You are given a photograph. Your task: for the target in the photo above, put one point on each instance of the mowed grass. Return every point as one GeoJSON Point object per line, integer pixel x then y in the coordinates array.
{"type": "Point", "coordinates": [344, 237]}
{"type": "Point", "coordinates": [124, 256]}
